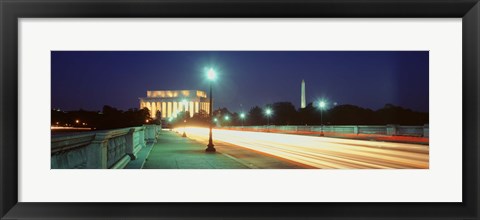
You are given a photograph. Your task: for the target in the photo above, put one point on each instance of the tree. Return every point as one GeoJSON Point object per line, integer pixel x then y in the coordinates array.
{"type": "Point", "coordinates": [351, 115]}
{"type": "Point", "coordinates": [220, 114]}
{"type": "Point", "coordinates": [391, 114]}
{"type": "Point", "coordinates": [200, 119]}
{"type": "Point", "coordinates": [308, 115]}
{"type": "Point", "coordinates": [285, 113]}
{"type": "Point", "coordinates": [255, 116]}
{"type": "Point", "coordinates": [158, 117]}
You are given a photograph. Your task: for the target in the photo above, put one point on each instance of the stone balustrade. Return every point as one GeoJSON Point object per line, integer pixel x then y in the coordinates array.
{"type": "Point", "coordinates": [152, 133]}
{"type": "Point", "coordinates": [109, 149]}
{"type": "Point", "coordinates": [391, 130]}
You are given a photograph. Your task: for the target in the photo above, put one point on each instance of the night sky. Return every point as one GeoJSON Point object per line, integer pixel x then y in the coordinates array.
{"type": "Point", "coordinates": [370, 79]}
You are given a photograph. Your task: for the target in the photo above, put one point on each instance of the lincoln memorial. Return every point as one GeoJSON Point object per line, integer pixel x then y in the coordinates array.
{"type": "Point", "coordinates": [171, 102]}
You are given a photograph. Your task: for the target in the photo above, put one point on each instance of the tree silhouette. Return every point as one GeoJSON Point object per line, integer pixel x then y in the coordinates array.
{"type": "Point", "coordinates": [285, 113]}
{"type": "Point", "coordinates": [351, 115]}
{"type": "Point", "coordinates": [308, 115]}
{"type": "Point", "coordinates": [255, 116]}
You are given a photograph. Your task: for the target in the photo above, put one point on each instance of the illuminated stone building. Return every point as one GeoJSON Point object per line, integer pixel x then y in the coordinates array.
{"type": "Point", "coordinates": [171, 102]}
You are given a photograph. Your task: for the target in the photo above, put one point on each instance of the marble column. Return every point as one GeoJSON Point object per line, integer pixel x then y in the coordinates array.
{"type": "Point", "coordinates": [148, 106]}
{"type": "Point", "coordinates": [191, 109]}
{"type": "Point", "coordinates": [197, 107]}
{"type": "Point", "coordinates": [164, 109]}
{"type": "Point", "coordinates": [175, 109]}
{"type": "Point", "coordinates": [154, 110]}
{"type": "Point", "coordinates": [169, 111]}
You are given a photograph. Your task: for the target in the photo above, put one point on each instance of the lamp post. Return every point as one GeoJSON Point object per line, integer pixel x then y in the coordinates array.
{"type": "Point", "coordinates": [322, 105]}
{"type": "Point", "coordinates": [211, 77]}
{"type": "Point", "coordinates": [268, 112]}
{"type": "Point", "coordinates": [242, 117]}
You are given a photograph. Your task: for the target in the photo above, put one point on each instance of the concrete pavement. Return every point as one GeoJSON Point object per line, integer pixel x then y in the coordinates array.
{"type": "Point", "coordinates": [324, 152]}
{"type": "Point", "coordinates": [370, 137]}
{"type": "Point", "coordinates": [174, 152]}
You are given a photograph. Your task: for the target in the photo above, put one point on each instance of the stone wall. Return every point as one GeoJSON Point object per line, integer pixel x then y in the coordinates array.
{"type": "Point", "coordinates": [391, 130]}
{"type": "Point", "coordinates": [109, 149]}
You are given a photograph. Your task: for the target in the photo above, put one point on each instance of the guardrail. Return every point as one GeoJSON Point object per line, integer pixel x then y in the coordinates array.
{"type": "Point", "coordinates": [110, 149]}
{"type": "Point", "coordinates": [390, 130]}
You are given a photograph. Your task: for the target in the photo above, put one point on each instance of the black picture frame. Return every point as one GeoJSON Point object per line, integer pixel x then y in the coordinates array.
{"type": "Point", "coordinates": [12, 10]}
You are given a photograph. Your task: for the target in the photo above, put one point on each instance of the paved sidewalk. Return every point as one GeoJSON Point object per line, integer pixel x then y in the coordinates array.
{"type": "Point", "coordinates": [174, 152]}
{"type": "Point", "coordinates": [142, 155]}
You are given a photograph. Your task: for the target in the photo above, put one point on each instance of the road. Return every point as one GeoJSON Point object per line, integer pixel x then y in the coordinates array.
{"type": "Point", "coordinates": [323, 152]}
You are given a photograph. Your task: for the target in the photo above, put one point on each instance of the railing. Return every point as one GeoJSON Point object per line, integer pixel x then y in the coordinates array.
{"type": "Point", "coordinates": [110, 149]}
{"type": "Point", "coordinates": [391, 130]}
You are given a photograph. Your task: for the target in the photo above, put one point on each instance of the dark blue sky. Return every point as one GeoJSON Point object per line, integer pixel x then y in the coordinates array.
{"type": "Point", "coordinates": [91, 79]}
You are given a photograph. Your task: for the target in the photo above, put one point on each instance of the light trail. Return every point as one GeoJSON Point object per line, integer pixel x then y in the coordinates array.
{"type": "Point", "coordinates": [322, 152]}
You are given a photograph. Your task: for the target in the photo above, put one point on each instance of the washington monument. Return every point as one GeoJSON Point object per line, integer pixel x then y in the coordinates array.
{"type": "Point", "coordinates": [303, 103]}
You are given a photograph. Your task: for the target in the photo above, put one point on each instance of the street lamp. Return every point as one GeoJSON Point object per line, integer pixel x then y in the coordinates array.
{"type": "Point", "coordinates": [268, 112]}
{"type": "Point", "coordinates": [211, 75]}
{"type": "Point", "coordinates": [242, 117]}
{"type": "Point", "coordinates": [322, 105]}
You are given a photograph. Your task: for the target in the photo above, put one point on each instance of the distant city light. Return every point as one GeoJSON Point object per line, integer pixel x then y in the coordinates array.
{"type": "Point", "coordinates": [77, 121]}
{"type": "Point", "coordinates": [211, 74]}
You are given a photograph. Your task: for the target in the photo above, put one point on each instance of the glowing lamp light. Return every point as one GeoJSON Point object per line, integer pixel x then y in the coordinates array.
{"type": "Point", "coordinates": [322, 104]}
{"type": "Point", "coordinates": [226, 117]}
{"type": "Point", "coordinates": [215, 119]}
{"type": "Point", "coordinates": [211, 75]}
{"type": "Point", "coordinates": [242, 115]}
{"type": "Point", "coordinates": [268, 111]}
{"type": "Point", "coordinates": [77, 121]}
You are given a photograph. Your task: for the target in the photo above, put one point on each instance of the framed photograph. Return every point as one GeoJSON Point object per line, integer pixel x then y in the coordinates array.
{"type": "Point", "coordinates": [252, 110]}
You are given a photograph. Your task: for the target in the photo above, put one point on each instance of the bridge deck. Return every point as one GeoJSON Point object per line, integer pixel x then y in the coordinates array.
{"type": "Point", "coordinates": [174, 152]}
